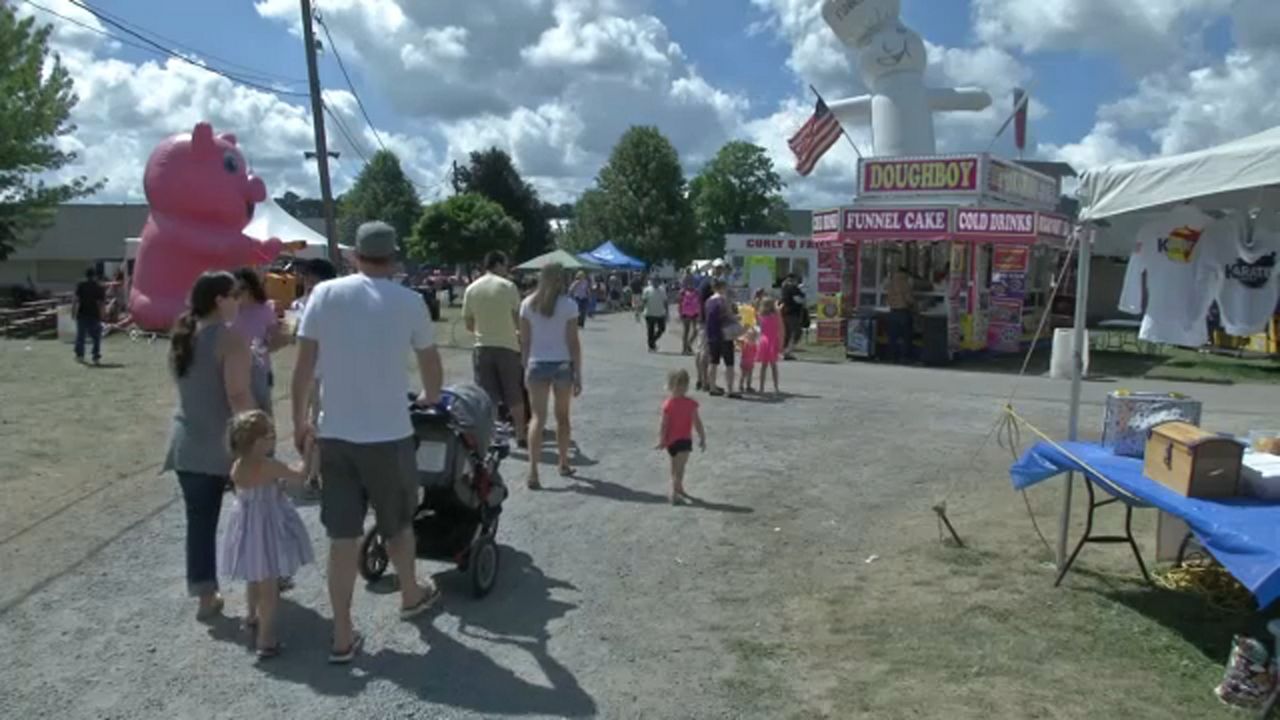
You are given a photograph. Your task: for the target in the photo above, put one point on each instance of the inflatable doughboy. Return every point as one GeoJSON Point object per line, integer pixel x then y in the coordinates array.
{"type": "Point", "coordinates": [892, 60]}
{"type": "Point", "coordinates": [201, 197]}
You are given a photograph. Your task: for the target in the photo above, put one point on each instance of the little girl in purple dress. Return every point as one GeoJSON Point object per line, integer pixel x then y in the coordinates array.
{"type": "Point", "coordinates": [264, 539]}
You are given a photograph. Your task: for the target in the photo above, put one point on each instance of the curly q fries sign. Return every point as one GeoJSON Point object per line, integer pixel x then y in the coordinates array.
{"type": "Point", "coordinates": [939, 175]}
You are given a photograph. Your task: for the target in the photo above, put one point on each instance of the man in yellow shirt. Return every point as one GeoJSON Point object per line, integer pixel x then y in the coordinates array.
{"type": "Point", "coordinates": [491, 310]}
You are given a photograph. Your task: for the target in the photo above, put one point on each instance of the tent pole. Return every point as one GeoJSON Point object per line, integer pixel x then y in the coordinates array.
{"type": "Point", "coordinates": [1084, 256]}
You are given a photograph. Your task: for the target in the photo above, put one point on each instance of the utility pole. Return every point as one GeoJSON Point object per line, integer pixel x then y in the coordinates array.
{"type": "Point", "coordinates": [317, 121]}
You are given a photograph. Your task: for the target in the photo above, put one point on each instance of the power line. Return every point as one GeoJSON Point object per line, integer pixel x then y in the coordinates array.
{"type": "Point", "coordinates": [343, 67]}
{"type": "Point", "coordinates": [175, 54]}
{"type": "Point", "coordinates": [90, 28]}
{"type": "Point", "coordinates": [346, 133]}
{"type": "Point", "coordinates": [243, 70]}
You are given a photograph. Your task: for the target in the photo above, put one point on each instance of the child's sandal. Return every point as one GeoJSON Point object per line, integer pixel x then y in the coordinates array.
{"type": "Point", "coordinates": [269, 652]}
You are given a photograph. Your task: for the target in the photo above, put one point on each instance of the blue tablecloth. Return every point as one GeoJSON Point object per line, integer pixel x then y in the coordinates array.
{"type": "Point", "coordinates": [1242, 533]}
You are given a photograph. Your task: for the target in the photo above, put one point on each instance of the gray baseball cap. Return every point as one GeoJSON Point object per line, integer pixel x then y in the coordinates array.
{"type": "Point", "coordinates": [376, 241]}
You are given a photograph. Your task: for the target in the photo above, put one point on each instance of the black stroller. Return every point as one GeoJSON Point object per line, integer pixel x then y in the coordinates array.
{"type": "Point", "coordinates": [461, 489]}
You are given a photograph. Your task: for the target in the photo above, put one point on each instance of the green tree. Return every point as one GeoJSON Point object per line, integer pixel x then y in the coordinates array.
{"type": "Point", "coordinates": [381, 192]}
{"type": "Point", "coordinates": [492, 174]}
{"type": "Point", "coordinates": [644, 197]}
{"type": "Point", "coordinates": [737, 192]}
{"type": "Point", "coordinates": [36, 98]}
{"type": "Point", "coordinates": [461, 230]}
{"type": "Point", "coordinates": [588, 224]}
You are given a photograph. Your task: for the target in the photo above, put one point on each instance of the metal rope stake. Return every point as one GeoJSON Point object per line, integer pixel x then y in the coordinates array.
{"type": "Point", "coordinates": [941, 509]}
{"type": "Point", "coordinates": [1083, 255]}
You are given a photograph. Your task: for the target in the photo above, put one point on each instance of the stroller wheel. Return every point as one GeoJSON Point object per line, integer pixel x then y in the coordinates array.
{"type": "Point", "coordinates": [373, 556]}
{"type": "Point", "coordinates": [483, 565]}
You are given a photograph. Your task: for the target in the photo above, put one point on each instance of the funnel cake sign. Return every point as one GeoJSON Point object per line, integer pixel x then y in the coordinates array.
{"type": "Point", "coordinates": [932, 176]}
{"type": "Point", "coordinates": [898, 222]}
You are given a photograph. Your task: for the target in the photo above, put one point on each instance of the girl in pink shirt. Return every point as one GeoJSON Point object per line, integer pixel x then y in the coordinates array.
{"type": "Point", "coordinates": [770, 346]}
{"type": "Point", "coordinates": [679, 421]}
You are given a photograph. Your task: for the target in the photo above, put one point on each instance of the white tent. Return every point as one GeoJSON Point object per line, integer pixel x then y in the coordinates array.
{"type": "Point", "coordinates": [270, 220]}
{"type": "Point", "coordinates": [1238, 175]}
{"type": "Point", "coordinates": [1114, 199]}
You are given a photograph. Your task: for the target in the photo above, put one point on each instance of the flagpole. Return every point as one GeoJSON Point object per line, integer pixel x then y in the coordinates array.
{"type": "Point", "coordinates": [1025, 101]}
{"type": "Point", "coordinates": [842, 130]}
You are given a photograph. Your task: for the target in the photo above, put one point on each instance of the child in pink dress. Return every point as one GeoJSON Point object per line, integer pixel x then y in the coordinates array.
{"type": "Point", "coordinates": [675, 435]}
{"type": "Point", "coordinates": [770, 345]}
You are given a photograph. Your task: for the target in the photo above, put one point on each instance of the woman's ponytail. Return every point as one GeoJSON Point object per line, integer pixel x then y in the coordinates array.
{"type": "Point", "coordinates": [202, 304]}
{"type": "Point", "coordinates": [182, 344]}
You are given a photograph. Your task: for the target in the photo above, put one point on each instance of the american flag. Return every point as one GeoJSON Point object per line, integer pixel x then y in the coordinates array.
{"type": "Point", "coordinates": [813, 140]}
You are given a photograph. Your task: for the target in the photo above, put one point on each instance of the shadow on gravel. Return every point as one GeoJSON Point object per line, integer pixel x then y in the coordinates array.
{"type": "Point", "coordinates": [517, 614]}
{"type": "Point", "coordinates": [549, 455]}
{"type": "Point", "coordinates": [621, 493]}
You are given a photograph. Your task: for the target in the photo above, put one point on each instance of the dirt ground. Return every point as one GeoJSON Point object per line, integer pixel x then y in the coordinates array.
{"type": "Point", "coordinates": [809, 583]}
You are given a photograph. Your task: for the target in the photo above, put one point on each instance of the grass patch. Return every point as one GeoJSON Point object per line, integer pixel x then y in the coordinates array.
{"type": "Point", "coordinates": [1175, 364]}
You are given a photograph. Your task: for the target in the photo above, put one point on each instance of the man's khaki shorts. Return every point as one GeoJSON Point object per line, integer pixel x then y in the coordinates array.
{"type": "Point", "coordinates": [498, 371]}
{"type": "Point", "coordinates": [358, 474]}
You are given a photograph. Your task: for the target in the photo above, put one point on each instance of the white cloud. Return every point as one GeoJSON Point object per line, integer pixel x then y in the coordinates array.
{"type": "Point", "coordinates": [556, 82]}
{"type": "Point", "coordinates": [1101, 146]}
{"type": "Point", "coordinates": [1146, 34]}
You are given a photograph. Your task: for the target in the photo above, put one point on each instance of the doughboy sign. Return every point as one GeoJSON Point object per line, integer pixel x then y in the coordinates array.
{"type": "Point", "coordinates": [941, 175]}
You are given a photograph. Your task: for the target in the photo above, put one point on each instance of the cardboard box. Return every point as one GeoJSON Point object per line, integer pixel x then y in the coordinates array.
{"type": "Point", "coordinates": [1192, 462]}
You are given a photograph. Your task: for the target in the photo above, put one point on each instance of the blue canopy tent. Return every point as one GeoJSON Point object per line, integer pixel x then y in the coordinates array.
{"type": "Point", "coordinates": [609, 256]}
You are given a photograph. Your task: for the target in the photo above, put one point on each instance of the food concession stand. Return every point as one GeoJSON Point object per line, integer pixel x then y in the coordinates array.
{"type": "Point", "coordinates": [977, 234]}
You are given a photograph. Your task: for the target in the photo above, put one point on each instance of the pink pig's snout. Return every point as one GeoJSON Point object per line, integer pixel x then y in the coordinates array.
{"type": "Point", "coordinates": [257, 190]}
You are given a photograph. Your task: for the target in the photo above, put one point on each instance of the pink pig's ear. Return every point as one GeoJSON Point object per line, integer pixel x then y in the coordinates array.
{"type": "Point", "coordinates": [228, 137]}
{"type": "Point", "coordinates": [202, 137]}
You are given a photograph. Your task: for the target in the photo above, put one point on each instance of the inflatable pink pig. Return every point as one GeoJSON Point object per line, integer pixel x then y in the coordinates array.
{"type": "Point", "coordinates": [201, 197]}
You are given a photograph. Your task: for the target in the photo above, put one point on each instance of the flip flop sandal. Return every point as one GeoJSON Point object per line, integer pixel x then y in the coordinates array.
{"type": "Point", "coordinates": [423, 605]}
{"type": "Point", "coordinates": [568, 472]}
{"type": "Point", "coordinates": [345, 657]}
{"type": "Point", "coordinates": [533, 484]}
{"type": "Point", "coordinates": [214, 610]}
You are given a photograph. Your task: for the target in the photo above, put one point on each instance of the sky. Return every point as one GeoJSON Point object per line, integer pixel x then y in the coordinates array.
{"type": "Point", "coordinates": [556, 82]}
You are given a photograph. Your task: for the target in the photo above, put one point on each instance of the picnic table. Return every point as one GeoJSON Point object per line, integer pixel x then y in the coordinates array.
{"type": "Point", "coordinates": [1122, 335]}
{"type": "Point", "coordinates": [35, 318]}
{"type": "Point", "coordinates": [1242, 533]}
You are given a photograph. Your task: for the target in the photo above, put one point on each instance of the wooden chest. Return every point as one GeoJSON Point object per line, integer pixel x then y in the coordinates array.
{"type": "Point", "coordinates": [1193, 462]}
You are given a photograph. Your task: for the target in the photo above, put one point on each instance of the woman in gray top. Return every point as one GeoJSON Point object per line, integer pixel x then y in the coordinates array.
{"type": "Point", "coordinates": [217, 378]}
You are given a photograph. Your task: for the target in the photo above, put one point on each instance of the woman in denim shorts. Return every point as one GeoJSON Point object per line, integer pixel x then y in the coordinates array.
{"type": "Point", "coordinates": [552, 358]}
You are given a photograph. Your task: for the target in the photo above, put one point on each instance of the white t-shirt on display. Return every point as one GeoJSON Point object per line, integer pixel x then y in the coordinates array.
{"type": "Point", "coordinates": [1243, 271]}
{"type": "Point", "coordinates": [547, 339]}
{"type": "Point", "coordinates": [1178, 292]}
{"type": "Point", "coordinates": [365, 328]}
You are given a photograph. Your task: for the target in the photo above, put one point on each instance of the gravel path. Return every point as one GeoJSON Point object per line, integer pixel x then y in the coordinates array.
{"type": "Point", "coordinates": [610, 603]}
